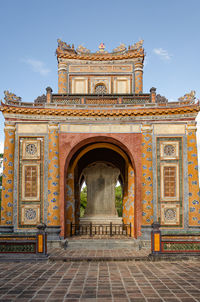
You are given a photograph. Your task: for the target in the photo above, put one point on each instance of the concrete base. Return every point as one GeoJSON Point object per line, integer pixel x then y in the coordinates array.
{"type": "Point", "coordinates": [62, 243]}
{"type": "Point", "coordinates": [53, 233]}
{"type": "Point", "coordinates": [6, 229]}
{"type": "Point", "coordinates": [146, 232]}
{"type": "Point", "coordinates": [101, 220]}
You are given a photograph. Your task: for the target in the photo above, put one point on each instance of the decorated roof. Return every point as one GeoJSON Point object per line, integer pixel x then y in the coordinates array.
{"type": "Point", "coordinates": [103, 112]}
{"type": "Point", "coordinates": [121, 52]}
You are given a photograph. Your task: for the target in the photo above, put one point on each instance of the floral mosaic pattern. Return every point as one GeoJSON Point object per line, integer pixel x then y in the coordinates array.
{"type": "Point", "coordinates": [53, 216]}
{"type": "Point", "coordinates": [70, 201]}
{"type": "Point", "coordinates": [138, 78]}
{"type": "Point", "coordinates": [194, 202]}
{"type": "Point", "coordinates": [129, 200]}
{"type": "Point", "coordinates": [30, 214]}
{"type": "Point", "coordinates": [147, 179]}
{"type": "Point", "coordinates": [8, 176]}
{"type": "Point", "coordinates": [62, 81]}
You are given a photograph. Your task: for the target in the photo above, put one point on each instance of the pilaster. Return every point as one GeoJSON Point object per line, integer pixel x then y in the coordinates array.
{"type": "Point", "coordinates": [129, 201]}
{"type": "Point", "coordinates": [138, 77]}
{"type": "Point", "coordinates": [8, 179]}
{"type": "Point", "coordinates": [147, 175]}
{"type": "Point", "coordinates": [193, 183]}
{"type": "Point", "coordinates": [53, 213]}
{"type": "Point", "coordinates": [62, 77]}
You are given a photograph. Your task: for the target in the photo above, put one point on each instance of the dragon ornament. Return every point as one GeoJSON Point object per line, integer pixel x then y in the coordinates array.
{"type": "Point", "coordinates": [10, 97]}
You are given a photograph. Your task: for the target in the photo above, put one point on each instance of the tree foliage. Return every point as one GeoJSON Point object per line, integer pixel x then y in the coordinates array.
{"type": "Point", "coordinates": [83, 202]}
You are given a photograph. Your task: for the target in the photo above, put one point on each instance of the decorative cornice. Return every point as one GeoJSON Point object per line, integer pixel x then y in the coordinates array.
{"type": "Point", "coordinates": [67, 51]}
{"type": "Point", "coordinates": [101, 57]}
{"type": "Point", "coordinates": [100, 112]}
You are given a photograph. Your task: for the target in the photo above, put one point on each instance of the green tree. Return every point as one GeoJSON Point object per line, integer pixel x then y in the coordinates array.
{"type": "Point", "coordinates": [118, 200]}
{"type": "Point", "coordinates": [83, 202]}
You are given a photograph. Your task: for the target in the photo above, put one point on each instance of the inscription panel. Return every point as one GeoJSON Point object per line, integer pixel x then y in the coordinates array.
{"type": "Point", "coordinates": [100, 68]}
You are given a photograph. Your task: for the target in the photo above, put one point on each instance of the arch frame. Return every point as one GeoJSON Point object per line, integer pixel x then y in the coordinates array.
{"type": "Point", "coordinates": [128, 144]}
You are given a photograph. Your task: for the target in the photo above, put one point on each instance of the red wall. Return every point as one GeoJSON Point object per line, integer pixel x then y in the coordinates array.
{"type": "Point", "coordinates": [130, 143]}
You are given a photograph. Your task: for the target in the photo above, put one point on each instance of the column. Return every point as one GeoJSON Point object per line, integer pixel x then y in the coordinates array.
{"type": "Point", "coordinates": [70, 200]}
{"type": "Point", "coordinates": [147, 175]}
{"type": "Point", "coordinates": [49, 95]}
{"type": "Point", "coordinates": [53, 213]}
{"type": "Point", "coordinates": [8, 179]}
{"type": "Point", "coordinates": [153, 94]}
{"type": "Point", "coordinates": [129, 200]}
{"type": "Point", "coordinates": [62, 77]}
{"type": "Point", "coordinates": [138, 77]}
{"type": "Point", "coordinates": [193, 182]}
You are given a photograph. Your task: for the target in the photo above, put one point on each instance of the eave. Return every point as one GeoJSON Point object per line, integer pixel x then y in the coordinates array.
{"type": "Point", "coordinates": [104, 112]}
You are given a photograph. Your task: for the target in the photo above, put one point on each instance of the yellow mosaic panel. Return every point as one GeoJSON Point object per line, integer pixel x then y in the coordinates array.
{"type": "Point", "coordinates": [70, 202]}
{"type": "Point", "coordinates": [147, 179]}
{"type": "Point", "coordinates": [62, 81]}
{"type": "Point", "coordinates": [53, 216]}
{"type": "Point", "coordinates": [129, 199]}
{"type": "Point", "coordinates": [194, 200]}
{"type": "Point", "coordinates": [8, 177]}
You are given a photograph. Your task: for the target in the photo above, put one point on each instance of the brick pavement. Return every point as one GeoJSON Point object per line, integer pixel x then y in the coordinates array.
{"type": "Point", "coordinates": [100, 281]}
{"type": "Point", "coordinates": [57, 254]}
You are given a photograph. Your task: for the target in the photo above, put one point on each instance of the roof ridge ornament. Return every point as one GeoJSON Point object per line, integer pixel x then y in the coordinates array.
{"type": "Point", "coordinates": [9, 96]}
{"type": "Point", "coordinates": [120, 49]}
{"type": "Point", "coordinates": [64, 46]}
{"type": "Point", "coordinates": [82, 50]}
{"type": "Point", "coordinates": [102, 48]}
{"type": "Point", "coordinates": [188, 97]}
{"type": "Point", "coordinates": [137, 46]}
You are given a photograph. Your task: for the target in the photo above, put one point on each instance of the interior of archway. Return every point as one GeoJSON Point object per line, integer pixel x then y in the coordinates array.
{"type": "Point", "coordinates": [103, 153]}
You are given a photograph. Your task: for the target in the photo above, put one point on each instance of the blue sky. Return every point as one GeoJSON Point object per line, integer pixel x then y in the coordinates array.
{"type": "Point", "coordinates": [29, 32]}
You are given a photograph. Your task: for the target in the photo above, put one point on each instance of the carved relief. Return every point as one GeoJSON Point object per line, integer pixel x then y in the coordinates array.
{"type": "Point", "coordinates": [31, 149]}
{"type": "Point", "coordinates": [30, 214]}
{"type": "Point", "coordinates": [170, 214]}
{"type": "Point", "coordinates": [169, 150]}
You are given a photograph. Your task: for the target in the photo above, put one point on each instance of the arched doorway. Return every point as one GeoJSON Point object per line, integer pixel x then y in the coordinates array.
{"type": "Point", "coordinates": [93, 154]}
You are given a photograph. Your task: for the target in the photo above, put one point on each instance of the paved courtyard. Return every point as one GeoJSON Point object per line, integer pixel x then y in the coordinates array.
{"type": "Point", "coordinates": [100, 281]}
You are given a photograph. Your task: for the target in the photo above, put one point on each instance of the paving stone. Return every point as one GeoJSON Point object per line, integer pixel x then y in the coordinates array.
{"type": "Point", "coordinates": [101, 281]}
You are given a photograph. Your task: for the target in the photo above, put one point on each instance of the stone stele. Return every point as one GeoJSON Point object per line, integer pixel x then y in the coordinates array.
{"type": "Point", "coordinates": [101, 179]}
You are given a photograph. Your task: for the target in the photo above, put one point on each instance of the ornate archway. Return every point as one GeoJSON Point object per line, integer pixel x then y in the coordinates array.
{"type": "Point", "coordinates": [104, 152]}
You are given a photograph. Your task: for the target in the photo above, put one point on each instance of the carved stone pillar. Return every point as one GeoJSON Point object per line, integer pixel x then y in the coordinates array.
{"type": "Point", "coordinates": [193, 182]}
{"type": "Point", "coordinates": [53, 213]}
{"type": "Point", "coordinates": [138, 77]}
{"type": "Point", "coordinates": [147, 175]}
{"type": "Point", "coordinates": [62, 77]}
{"type": "Point", "coordinates": [7, 179]}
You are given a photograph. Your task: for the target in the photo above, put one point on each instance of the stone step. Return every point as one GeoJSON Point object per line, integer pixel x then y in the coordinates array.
{"type": "Point", "coordinates": [107, 244]}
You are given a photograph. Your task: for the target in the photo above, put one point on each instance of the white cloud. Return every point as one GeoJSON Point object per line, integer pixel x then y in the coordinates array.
{"type": "Point", "coordinates": [162, 53]}
{"type": "Point", "coordinates": [37, 66]}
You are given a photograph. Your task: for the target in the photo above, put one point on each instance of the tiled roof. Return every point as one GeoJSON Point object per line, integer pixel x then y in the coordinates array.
{"type": "Point", "coordinates": [101, 112]}
{"type": "Point", "coordinates": [101, 57]}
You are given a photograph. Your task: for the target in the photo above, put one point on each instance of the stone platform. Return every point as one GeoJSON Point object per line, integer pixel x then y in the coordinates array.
{"type": "Point", "coordinates": [89, 249]}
